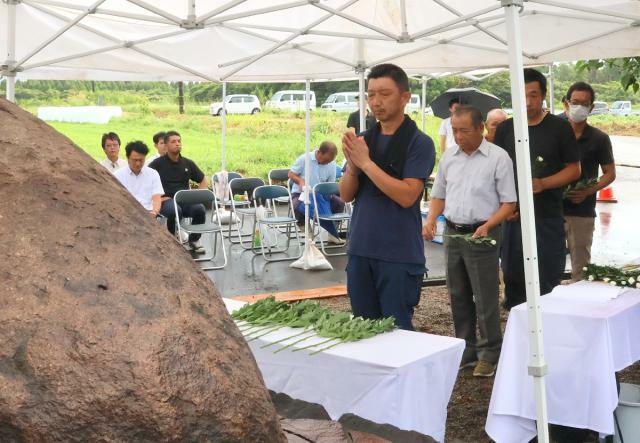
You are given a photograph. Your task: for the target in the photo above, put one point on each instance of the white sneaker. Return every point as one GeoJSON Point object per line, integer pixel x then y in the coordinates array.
{"type": "Point", "coordinates": [335, 240]}
{"type": "Point", "coordinates": [196, 246]}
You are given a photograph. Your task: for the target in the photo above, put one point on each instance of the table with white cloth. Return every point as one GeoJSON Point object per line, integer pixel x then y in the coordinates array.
{"type": "Point", "coordinates": [401, 378]}
{"type": "Point", "coordinates": [588, 336]}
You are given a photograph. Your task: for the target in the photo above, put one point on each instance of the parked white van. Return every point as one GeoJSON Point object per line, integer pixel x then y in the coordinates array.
{"type": "Point", "coordinates": [290, 101]}
{"type": "Point", "coordinates": [620, 107]}
{"type": "Point", "coordinates": [237, 104]}
{"type": "Point", "coordinates": [341, 102]}
{"type": "Point", "coordinates": [413, 105]}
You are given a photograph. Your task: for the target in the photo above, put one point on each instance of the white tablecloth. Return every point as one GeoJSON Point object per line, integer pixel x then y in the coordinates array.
{"type": "Point", "coordinates": [585, 342]}
{"type": "Point", "coordinates": [401, 378]}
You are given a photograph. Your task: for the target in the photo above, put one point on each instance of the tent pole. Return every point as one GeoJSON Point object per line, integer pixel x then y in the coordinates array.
{"type": "Point", "coordinates": [552, 90]}
{"type": "Point", "coordinates": [307, 162]}
{"type": "Point", "coordinates": [424, 101]}
{"type": "Point", "coordinates": [362, 102]}
{"type": "Point", "coordinates": [7, 70]}
{"type": "Point", "coordinates": [537, 366]}
{"type": "Point", "coordinates": [223, 122]}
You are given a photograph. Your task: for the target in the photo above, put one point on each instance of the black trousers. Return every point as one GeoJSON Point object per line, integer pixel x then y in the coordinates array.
{"type": "Point", "coordinates": [550, 238]}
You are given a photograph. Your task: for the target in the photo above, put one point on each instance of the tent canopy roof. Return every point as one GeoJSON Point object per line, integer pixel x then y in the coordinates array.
{"type": "Point", "coordinates": [294, 40]}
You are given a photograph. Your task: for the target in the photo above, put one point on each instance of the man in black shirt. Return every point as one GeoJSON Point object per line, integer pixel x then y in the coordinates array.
{"type": "Point", "coordinates": [595, 151]}
{"type": "Point", "coordinates": [354, 118]}
{"type": "Point", "coordinates": [176, 172]}
{"type": "Point", "coordinates": [555, 162]}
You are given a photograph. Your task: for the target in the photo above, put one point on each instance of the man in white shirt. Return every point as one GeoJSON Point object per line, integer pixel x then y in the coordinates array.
{"type": "Point", "coordinates": [158, 143]}
{"type": "Point", "coordinates": [111, 148]}
{"type": "Point", "coordinates": [446, 132]}
{"type": "Point", "coordinates": [142, 182]}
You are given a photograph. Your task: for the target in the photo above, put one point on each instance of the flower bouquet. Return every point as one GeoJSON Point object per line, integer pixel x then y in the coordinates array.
{"type": "Point", "coordinates": [580, 184]}
{"type": "Point", "coordinates": [628, 275]}
{"type": "Point", "coordinates": [488, 241]}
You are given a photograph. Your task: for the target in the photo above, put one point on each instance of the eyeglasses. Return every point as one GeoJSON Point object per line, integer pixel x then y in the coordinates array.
{"type": "Point", "coordinates": [577, 103]}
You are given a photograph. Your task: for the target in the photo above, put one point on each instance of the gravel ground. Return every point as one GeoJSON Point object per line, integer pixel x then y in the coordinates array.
{"type": "Point", "coordinates": [469, 402]}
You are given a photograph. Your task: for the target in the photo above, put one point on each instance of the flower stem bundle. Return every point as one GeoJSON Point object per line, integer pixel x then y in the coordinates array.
{"type": "Point", "coordinates": [268, 315]}
{"type": "Point", "coordinates": [488, 241]}
{"type": "Point", "coordinates": [628, 275]}
{"type": "Point", "coordinates": [580, 184]}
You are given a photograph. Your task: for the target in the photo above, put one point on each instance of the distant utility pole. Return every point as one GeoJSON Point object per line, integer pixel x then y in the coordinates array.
{"type": "Point", "coordinates": [181, 97]}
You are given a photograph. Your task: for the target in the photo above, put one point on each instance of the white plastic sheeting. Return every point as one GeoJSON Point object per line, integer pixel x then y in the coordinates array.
{"type": "Point", "coordinates": [79, 114]}
{"type": "Point", "coordinates": [294, 40]}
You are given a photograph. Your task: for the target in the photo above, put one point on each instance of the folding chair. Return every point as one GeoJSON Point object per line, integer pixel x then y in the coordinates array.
{"type": "Point", "coordinates": [263, 195]}
{"type": "Point", "coordinates": [281, 177]}
{"type": "Point", "coordinates": [230, 176]}
{"type": "Point", "coordinates": [210, 226]}
{"type": "Point", "coordinates": [242, 208]}
{"type": "Point", "coordinates": [327, 190]}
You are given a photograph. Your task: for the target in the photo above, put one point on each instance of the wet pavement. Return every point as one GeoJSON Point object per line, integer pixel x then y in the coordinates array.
{"type": "Point", "coordinates": [615, 241]}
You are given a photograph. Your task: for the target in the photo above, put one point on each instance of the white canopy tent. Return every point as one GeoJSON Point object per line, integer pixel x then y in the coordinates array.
{"type": "Point", "coordinates": [313, 40]}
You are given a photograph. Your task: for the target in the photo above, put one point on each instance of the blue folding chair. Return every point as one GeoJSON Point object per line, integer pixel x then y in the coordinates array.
{"type": "Point", "coordinates": [327, 190]}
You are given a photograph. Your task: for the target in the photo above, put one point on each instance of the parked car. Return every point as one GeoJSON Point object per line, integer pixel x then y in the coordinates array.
{"type": "Point", "coordinates": [600, 108]}
{"type": "Point", "coordinates": [237, 104]}
{"type": "Point", "coordinates": [413, 105]}
{"type": "Point", "coordinates": [620, 107]}
{"type": "Point", "coordinates": [290, 101]}
{"type": "Point", "coordinates": [341, 102]}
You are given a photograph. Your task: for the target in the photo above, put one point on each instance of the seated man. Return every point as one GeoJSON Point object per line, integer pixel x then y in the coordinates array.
{"type": "Point", "coordinates": [111, 148]}
{"type": "Point", "coordinates": [142, 182]}
{"type": "Point", "coordinates": [322, 170]}
{"type": "Point", "coordinates": [158, 143]}
{"type": "Point", "coordinates": [176, 172]}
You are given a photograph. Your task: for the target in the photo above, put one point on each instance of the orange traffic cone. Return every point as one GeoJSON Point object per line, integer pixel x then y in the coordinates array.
{"type": "Point", "coordinates": [606, 195]}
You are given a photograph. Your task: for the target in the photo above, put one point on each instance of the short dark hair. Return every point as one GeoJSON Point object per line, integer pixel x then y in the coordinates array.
{"type": "Point", "coordinates": [532, 75]}
{"type": "Point", "coordinates": [169, 134]}
{"type": "Point", "coordinates": [581, 86]}
{"type": "Point", "coordinates": [453, 101]}
{"type": "Point", "coordinates": [136, 146]}
{"type": "Point", "coordinates": [476, 115]}
{"type": "Point", "coordinates": [157, 136]}
{"type": "Point", "coordinates": [395, 73]}
{"type": "Point", "coordinates": [328, 146]}
{"type": "Point", "coordinates": [109, 136]}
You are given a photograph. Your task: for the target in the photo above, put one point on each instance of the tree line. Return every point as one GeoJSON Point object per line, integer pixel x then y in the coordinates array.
{"type": "Point", "coordinates": [612, 80]}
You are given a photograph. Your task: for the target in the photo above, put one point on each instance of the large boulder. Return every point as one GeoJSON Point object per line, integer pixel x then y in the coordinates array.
{"type": "Point", "coordinates": [108, 330]}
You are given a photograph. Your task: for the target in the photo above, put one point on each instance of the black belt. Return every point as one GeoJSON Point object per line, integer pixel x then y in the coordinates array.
{"type": "Point", "coordinates": [465, 229]}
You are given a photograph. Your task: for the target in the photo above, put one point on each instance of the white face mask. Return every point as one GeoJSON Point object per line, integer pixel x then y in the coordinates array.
{"type": "Point", "coordinates": [578, 113]}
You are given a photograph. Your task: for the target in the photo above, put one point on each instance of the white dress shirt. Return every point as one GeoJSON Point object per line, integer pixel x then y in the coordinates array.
{"type": "Point", "coordinates": [114, 166]}
{"type": "Point", "coordinates": [142, 186]}
{"type": "Point", "coordinates": [474, 186]}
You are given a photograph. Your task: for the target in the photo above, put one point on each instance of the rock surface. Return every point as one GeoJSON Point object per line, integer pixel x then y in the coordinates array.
{"type": "Point", "coordinates": [109, 332]}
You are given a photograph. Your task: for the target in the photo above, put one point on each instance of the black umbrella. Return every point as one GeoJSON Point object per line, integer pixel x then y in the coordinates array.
{"type": "Point", "coordinates": [467, 96]}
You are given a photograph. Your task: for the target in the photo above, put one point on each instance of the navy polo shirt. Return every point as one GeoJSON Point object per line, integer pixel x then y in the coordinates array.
{"type": "Point", "coordinates": [382, 229]}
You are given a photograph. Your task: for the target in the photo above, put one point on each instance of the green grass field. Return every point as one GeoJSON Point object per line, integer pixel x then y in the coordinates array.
{"type": "Point", "coordinates": [255, 143]}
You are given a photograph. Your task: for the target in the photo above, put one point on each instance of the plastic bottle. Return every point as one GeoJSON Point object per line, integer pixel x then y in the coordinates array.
{"type": "Point", "coordinates": [440, 225]}
{"type": "Point", "coordinates": [257, 242]}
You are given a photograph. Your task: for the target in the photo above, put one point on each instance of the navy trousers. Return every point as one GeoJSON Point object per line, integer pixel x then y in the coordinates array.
{"type": "Point", "coordinates": [196, 212]}
{"type": "Point", "coordinates": [380, 289]}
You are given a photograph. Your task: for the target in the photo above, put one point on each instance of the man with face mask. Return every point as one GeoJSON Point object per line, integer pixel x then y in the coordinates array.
{"type": "Point", "coordinates": [595, 151]}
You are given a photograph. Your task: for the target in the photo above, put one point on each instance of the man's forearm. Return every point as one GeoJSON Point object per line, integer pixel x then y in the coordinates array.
{"type": "Point", "coordinates": [504, 211]}
{"type": "Point", "coordinates": [203, 184]}
{"type": "Point", "coordinates": [397, 190]}
{"type": "Point", "coordinates": [568, 174]}
{"type": "Point", "coordinates": [349, 184]}
{"type": "Point", "coordinates": [156, 203]}
{"type": "Point", "coordinates": [436, 208]}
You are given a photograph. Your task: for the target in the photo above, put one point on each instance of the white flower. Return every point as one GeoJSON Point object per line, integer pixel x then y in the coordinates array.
{"type": "Point", "coordinates": [493, 242]}
{"type": "Point", "coordinates": [623, 283]}
{"type": "Point", "coordinates": [613, 283]}
{"type": "Point", "coordinates": [632, 280]}
{"type": "Point", "coordinates": [606, 279]}
{"type": "Point", "coordinates": [540, 159]}
{"type": "Point", "coordinates": [591, 278]}
{"type": "Point", "coordinates": [638, 285]}
{"type": "Point", "coordinates": [584, 269]}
